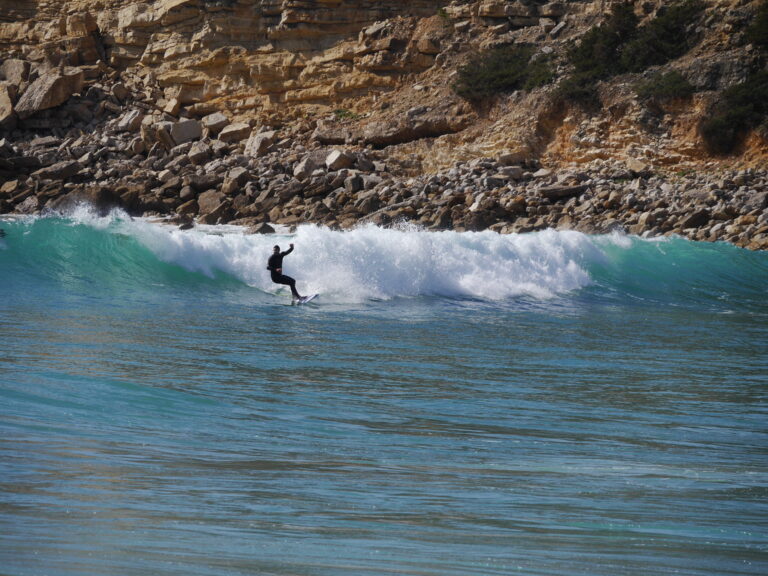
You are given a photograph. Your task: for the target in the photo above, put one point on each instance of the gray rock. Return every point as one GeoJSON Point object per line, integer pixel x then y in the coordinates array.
{"type": "Point", "coordinates": [59, 171]}
{"type": "Point", "coordinates": [305, 168]}
{"type": "Point", "coordinates": [695, 220]}
{"type": "Point", "coordinates": [338, 160]}
{"type": "Point", "coordinates": [235, 132]}
{"type": "Point", "coordinates": [7, 114]}
{"type": "Point", "coordinates": [210, 201]}
{"type": "Point", "coordinates": [259, 143]}
{"type": "Point", "coordinates": [199, 153]}
{"type": "Point", "coordinates": [186, 130]}
{"type": "Point", "coordinates": [14, 71]}
{"type": "Point", "coordinates": [130, 121]}
{"type": "Point", "coordinates": [215, 122]}
{"type": "Point", "coordinates": [50, 90]}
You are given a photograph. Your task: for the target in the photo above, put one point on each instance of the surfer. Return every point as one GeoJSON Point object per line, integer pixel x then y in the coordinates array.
{"type": "Point", "coordinates": [275, 266]}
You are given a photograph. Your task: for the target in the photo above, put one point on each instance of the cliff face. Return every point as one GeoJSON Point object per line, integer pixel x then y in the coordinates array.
{"type": "Point", "coordinates": [385, 68]}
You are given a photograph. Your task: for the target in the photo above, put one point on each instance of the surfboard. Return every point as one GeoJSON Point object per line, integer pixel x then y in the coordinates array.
{"type": "Point", "coordinates": [305, 299]}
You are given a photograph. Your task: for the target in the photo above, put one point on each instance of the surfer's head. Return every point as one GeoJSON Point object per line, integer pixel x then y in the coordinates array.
{"type": "Point", "coordinates": [276, 249]}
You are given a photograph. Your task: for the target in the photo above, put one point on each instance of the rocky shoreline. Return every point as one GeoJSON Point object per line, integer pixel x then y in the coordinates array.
{"type": "Point", "coordinates": [110, 149]}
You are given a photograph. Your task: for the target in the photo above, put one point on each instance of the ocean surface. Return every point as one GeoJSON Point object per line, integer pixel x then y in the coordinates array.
{"type": "Point", "coordinates": [451, 404]}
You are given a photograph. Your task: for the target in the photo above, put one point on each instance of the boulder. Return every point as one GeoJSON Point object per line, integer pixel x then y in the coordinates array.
{"type": "Point", "coordinates": [338, 160]}
{"type": "Point", "coordinates": [130, 121]}
{"type": "Point", "coordinates": [50, 90]}
{"type": "Point", "coordinates": [201, 183]}
{"type": "Point", "coordinates": [304, 168]}
{"type": "Point", "coordinates": [209, 201]}
{"type": "Point", "coordinates": [199, 153]}
{"type": "Point", "coordinates": [234, 181]}
{"type": "Point", "coordinates": [14, 71]}
{"type": "Point", "coordinates": [172, 107]}
{"type": "Point", "coordinates": [695, 220]}
{"type": "Point", "coordinates": [262, 228]}
{"type": "Point", "coordinates": [215, 122]}
{"type": "Point", "coordinates": [259, 143]}
{"type": "Point", "coordinates": [102, 199]}
{"type": "Point", "coordinates": [59, 171]}
{"type": "Point", "coordinates": [239, 175]}
{"type": "Point", "coordinates": [7, 114]}
{"type": "Point", "coordinates": [235, 132]}
{"type": "Point", "coordinates": [554, 193]}
{"type": "Point", "coordinates": [186, 130]}
{"type": "Point", "coordinates": [636, 166]}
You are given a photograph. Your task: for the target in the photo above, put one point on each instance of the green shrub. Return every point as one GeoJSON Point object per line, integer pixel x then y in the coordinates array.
{"type": "Point", "coordinates": [741, 108]}
{"type": "Point", "coordinates": [501, 70]}
{"type": "Point", "coordinates": [665, 87]}
{"type": "Point", "coordinates": [580, 89]}
{"type": "Point", "coordinates": [757, 33]}
{"type": "Point", "coordinates": [344, 114]}
{"type": "Point", "coordinates": [619, 46]}
{"type": "Point", "coordinates": [597, 55]}
{"type": "Point", "coordinates": [540, 72]}
{"type": "Point", "coordinates": [664, 38]}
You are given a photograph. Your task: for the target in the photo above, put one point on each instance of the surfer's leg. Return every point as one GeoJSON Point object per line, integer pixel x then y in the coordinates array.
{"type": "Point", "coordinates": [292, 283]}
{"type": "Point", "coordinates": [288, 281]}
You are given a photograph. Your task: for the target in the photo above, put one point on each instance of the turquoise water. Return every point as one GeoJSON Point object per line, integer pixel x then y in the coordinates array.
{"type": "Point", "coordinates": [453, 404]}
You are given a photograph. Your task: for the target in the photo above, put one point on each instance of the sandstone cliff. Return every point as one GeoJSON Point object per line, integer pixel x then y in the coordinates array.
{"type": "Point", "coordinates": [278, 61]}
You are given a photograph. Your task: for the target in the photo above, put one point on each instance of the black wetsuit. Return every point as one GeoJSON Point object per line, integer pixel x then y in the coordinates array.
{"type": "Point", "coordinates": [276, 263]}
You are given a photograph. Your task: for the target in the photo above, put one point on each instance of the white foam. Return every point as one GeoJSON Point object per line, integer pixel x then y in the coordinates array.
{"type": "Point", "coordinates": [376, 263]}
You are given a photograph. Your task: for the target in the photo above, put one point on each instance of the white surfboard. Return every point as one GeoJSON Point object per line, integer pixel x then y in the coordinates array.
{"type": "Point", "coordinates": [305, 299]}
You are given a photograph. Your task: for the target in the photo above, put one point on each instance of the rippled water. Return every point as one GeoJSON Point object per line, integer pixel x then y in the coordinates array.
{"type": "Point", "coordinates": [157, 419]}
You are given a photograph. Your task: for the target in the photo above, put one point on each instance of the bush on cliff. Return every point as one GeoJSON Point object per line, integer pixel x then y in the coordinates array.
{"type": "Point", "coordinates": [740, 109]}
{"type": "Point", "coordinates": [502, 70]}
{"type": "Point", "coordinates": [665, 86]}
{"type": "Point", "coordinates": [757, 33]}
{"type": "Point", "coordinates": [666, 37]}
{"type": "Point", "coordinates": [597, 56]}
{"type": "Point", "coordinates": [619, 46]}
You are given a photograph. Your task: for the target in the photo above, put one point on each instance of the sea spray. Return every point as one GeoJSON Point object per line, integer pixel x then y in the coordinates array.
{"type": "Point", "coordinates": [374, 263]}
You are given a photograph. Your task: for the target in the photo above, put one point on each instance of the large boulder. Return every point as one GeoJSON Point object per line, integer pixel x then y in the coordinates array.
{"type": "Point", "coordinates": [7, 115]}
{"type": "Point", "coordinates": [215, 122]}
{"type": "Point", "coordinates": [14, 71]}
{"type": "Point", "coordinates": [259, 143]}
{"type": "Point", "coordinates": [50, 90]}
{"type": "Point", "coordinates": [130, 121]}
{"type": "Point", "coordinates": [186, 130]}
{"type": "Point", "coordinates": [235, 132]}
{"type": "Point", "coordinates": [339, 159]}
{"type": "Point", "coordinates": [59, 171]}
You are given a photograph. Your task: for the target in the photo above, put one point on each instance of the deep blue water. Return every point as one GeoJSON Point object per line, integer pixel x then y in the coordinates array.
{"type": "Point", "coordinates": [453, 404]}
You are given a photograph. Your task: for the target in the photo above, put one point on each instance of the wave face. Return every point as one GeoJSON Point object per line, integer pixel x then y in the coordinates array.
{"type": "Point", "coordinates": [371, 263]}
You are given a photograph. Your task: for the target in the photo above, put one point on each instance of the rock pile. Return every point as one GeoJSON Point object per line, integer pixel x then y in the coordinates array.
{"type": "Point", "coordinates": [210, 170]}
